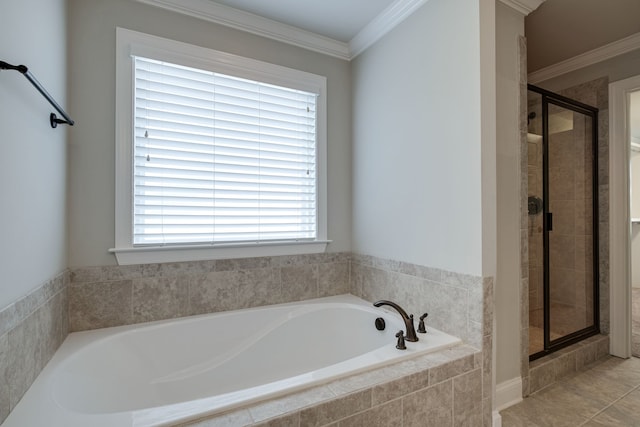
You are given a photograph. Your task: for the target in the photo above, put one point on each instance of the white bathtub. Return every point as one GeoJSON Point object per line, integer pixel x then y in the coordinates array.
{"type": "Point", "coordinates": [168, 371]}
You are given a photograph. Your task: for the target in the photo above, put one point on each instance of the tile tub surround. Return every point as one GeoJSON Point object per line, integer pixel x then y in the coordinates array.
{"type": "Point", "coordinates": [459, 304]}
{"type": "Point", "coordinates": [121, 295]}
{"type": "Point", "coordinates": [31, 330]}
{"type": "Point", "coordinates": [438, 389]}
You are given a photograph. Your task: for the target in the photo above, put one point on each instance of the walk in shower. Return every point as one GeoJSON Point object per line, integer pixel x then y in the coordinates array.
{"type": "Point", "coordinates": [562, 221]}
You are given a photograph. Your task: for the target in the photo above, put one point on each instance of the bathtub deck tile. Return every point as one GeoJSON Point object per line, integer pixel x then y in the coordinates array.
{"type": "Point", "coordinates": [431, 360]}
{"type": "Point", "coordinates": [399, 387]}
{"type": "Point", "coordinates": [231, 419]}
{"type": "Point", "coordinates": [461, 361]}
{"type": "Point", "coordinates": [335, 409]}
{"type": "Point", "coordinates": [290, 403]}
{"type": "Point", "coordinates": [358, 382]}
{"type": "Point", "coordinates": [292, 420]}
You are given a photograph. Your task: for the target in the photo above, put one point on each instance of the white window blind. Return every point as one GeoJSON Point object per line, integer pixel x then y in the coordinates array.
{"type": "Point", "coordinates": [221, 159]}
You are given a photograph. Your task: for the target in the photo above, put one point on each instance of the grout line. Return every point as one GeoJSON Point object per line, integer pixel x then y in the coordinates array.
{"type": "Point", "coordinates": [611, 404]}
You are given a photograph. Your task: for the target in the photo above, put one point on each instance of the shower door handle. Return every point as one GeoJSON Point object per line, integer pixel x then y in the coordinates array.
{"type": "Point", "coordinates": [549, 221]}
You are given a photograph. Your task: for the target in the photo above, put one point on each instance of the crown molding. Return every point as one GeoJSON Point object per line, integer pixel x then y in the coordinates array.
{"type": "Point", "coordinates": [523, 6]}
{"type": "Point", "coordinates": [264, 27]}
{"type": "Point", "coordinates": [397, 12]}
{"type": "Point", "coordinates": [254, 24]}
{"type": "Point", "coordinates": [591, 57]}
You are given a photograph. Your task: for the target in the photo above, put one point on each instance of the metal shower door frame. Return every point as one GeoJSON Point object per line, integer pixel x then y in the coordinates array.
{"type": "Point", "coordinates": [548, 97]}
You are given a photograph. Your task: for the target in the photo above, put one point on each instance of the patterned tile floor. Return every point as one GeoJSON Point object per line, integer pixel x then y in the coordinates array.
{"type": "Point", "coordinates": [607, 394]}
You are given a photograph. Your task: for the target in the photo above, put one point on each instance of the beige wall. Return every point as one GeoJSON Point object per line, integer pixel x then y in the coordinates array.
{"type": "Point", "coordinates": [33, 247]}
{"type": "Point", "coordinates": [92, 26]}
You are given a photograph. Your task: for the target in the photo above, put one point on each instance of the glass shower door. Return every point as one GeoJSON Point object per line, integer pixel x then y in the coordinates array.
{"type": "Point", "coordinates": [570, 196]}
{"type": "Point", "coordinates": [563, 270]}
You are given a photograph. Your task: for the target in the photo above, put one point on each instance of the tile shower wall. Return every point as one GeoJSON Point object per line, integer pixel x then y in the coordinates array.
{"type": "Point", "coordinates": [121, 295]}
{"type": "Point", "coordinates": [526, 287]}
{"type": "Point", "coordinates": [31, 330]}
{"type": "Point", "coordinates": [534, 230]}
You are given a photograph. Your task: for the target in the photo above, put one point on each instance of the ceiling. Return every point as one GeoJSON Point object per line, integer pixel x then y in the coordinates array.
{"type": "Point", "coordinates": [556, 31]}
{"type": "Point", "coordinates": [340, 28]}
{"type": "Point", "coordinates": [562, 29]}
{"type": "Point", "coordinates": [339, 20]}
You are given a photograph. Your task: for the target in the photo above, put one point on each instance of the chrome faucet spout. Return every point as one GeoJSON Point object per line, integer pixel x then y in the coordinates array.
{"type": "Point", "coordinates": [408, 319]}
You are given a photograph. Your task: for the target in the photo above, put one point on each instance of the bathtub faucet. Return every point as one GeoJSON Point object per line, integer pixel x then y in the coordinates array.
{"type": "Point", "coordinates": [408, 319]}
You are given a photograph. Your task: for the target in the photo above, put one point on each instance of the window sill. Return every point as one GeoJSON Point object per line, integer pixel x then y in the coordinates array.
{"type": "Point", "coordinates": [160, 254]}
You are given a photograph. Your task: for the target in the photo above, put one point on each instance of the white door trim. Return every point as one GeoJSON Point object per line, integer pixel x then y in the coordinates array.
{"type": "Point", "coordinates": [620, 223]}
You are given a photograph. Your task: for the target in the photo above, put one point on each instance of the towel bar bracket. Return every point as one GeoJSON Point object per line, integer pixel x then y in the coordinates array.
{"type": "Point", "coordinates": [55, 121]}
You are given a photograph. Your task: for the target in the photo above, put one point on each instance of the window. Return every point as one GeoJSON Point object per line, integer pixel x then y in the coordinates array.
{"type": "Point", "coordinates": [218, 156]}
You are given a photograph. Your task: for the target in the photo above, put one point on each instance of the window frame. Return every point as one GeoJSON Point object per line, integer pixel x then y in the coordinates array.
{"type": "Point", "coordinates": [130, 43]}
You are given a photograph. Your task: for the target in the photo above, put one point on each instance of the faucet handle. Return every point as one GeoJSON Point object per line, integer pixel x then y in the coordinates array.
{"type": "Point", "coordinates": [400, 345]}
{"type": "Point", "coordinates": [421, 327]}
